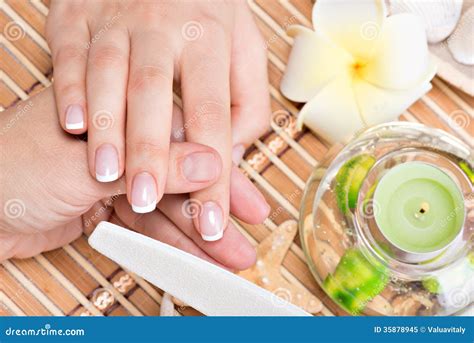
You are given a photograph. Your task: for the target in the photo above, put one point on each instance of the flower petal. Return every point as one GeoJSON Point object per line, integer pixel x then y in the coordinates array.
{"type": "Point", "coordinates": [314, 61]}
{"type": "Point", "coordinates": [333, 112]}
{"type": "Point", "coordinates": [352, 24]}
{"type": "Point", "coordinates": [378, 105]}
{"type": "Point", "coordinates": [401, 56]}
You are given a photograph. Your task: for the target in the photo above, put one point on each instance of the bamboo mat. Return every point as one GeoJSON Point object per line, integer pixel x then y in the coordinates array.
{"type": "Point", "coordinates": [75, 280]}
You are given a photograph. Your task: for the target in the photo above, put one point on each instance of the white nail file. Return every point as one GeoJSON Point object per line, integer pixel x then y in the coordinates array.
{"type": "Point", "coordinates": [209, 289]}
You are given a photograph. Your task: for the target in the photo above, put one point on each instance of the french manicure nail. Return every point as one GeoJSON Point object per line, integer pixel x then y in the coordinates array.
{"type": "Point", "coordinates": [211, 222]}
{"type": "Point", "coordinates": [144, 194]}
{"type": "Point", "coordinates": [237, 153]}
{"type": "Point", "coordinates": [106, 163]}
{"type": "Point", "coordinates": [74, 117]}
{"type": "Point", "coordinates": [200, 167]}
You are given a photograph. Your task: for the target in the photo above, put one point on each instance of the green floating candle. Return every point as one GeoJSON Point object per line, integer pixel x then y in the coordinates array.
{"type": "Point", "coordinates": [421, 208]}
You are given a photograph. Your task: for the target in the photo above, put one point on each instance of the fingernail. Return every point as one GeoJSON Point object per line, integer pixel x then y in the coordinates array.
{"type": "Point", "coordinates": [237, 153]}
{"type": "Point", "coordinates": [106, 163]}
{"type": "Point", "coordinates": [200, 167]}
{"type": "Point", "coordinates": [74, 117]}
{"type": "Point", "coordinates": [144, 195]}
{"type": "Point", "coordinates": [211, 222]}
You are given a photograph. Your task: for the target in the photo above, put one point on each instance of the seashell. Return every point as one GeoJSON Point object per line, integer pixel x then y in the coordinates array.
{"type": "Point", "coordinates": [461, 42]}
{"type": "Point", "coordinates": [439, 16]}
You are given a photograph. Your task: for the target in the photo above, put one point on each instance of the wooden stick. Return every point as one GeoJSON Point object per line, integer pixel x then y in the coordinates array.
{"type": "Point", "coordinates": [68, 285]}
{"type": "Point", "coordinates": [42, 298]}
{"type": "Point", "coordinates": [101, 280]}
{"type": "Point", "coordinates": [11, 305]}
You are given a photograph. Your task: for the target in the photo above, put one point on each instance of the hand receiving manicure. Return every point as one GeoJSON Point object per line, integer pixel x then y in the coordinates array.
{"type": "Point", "coordinates": [117, 84]}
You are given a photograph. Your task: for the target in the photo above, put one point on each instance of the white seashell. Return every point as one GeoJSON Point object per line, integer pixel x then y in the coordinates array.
{"type": "Point", "coordinates": [461, 42]}
{"type": "Point", "coordinates": [439, 16]}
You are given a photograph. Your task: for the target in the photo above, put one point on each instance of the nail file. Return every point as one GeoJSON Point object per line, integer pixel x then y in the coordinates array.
{"type": "Point", "coordinates": [204, 286]}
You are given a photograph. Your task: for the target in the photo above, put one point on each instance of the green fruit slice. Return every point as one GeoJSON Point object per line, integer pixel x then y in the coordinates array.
{"type": "Point", "coordinates": [356, 281]}
{"type": "Point", "coordinates": [468, 170]}
{"type": "Point", "coordinates": [431, 285]}
{"type": "Point", "coordinates": [349, 180]}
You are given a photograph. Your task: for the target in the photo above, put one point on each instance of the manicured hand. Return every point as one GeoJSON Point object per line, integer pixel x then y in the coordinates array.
{"type": "Point", "coordinates": [47, 194]}
{"type": "Point", "coordinates": [114, 67]}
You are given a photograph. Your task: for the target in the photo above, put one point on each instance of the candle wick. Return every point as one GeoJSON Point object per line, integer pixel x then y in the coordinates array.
{"type": "Point", "coordinates": [424, 207]}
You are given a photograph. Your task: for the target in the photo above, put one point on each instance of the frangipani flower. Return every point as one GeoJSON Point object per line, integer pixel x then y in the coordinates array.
{"type": "Point", "coordinates": [357, 68]}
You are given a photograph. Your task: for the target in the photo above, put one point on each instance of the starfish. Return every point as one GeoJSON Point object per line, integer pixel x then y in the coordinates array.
{"type": "Point", "coordinates": [266, 272]}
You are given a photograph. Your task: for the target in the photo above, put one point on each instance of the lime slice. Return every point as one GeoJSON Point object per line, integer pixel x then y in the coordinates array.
{"type": "Point", "coordinates": [356, 281]}
{"type": "Point", "coordinates": [349, 180]}
{"type": "Point", "coordinates": [431, 285]}
{"type": "Point", "coordinates": [468, 170]}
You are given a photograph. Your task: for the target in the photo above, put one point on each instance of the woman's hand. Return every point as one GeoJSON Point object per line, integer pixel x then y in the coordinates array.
{"type": "Point", "coordinates": [114, 67]}
{"type": "Point", "coordinates": [48, 197]}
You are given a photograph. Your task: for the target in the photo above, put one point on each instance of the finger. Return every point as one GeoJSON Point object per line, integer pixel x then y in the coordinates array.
{"type": "Point", "coordinates": [206, 101]}
{"type": "Point", "coordinates": [107, 71]}
{"type": "Point", "coordinates": [248, 82]}
{"type": "Point", "coordinates": [233, 250]}
{"type": "Point", "coordinates": [70, 62]}
{"type": "Point", "coordinates": [177, 125]}
{"type": "Point", "coordinates": [246, 201]}
{"type": "Point", "coordinates": [149, 108]}
{"type": "Point", "coordinates": [157, 226]}
{"type": "Point", "coordinates": [191, 167]}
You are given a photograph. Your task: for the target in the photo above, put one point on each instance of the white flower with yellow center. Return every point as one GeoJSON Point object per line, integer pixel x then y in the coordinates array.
{"type": "Point", "coordinates": [357, 68]}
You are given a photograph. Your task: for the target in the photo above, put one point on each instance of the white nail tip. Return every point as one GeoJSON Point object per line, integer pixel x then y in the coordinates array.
{"type": "Point", "coordinates": [106, 178]}
{"type": "Point", "coordinates": [75, 126]}
{"type": "Point", "coordinates": [213, 238]}
{"type": "Point", "coordinates": [144, 209]}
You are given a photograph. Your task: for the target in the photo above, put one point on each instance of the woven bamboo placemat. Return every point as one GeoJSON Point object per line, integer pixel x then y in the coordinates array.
{"type": "Point", "coordinates": [75, 280]}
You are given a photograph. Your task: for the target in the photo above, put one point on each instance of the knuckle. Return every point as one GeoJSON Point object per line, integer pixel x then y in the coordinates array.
{"type": "Point", "coordinates": [150, 148]}
{"type": "Point", "coordinates": [71, 89]}
{"type": "Point", "coordinates": [107, 56]}
{"type": "Point", "coordinates": [208, 115]}
{"type": "Point", "coordinates": [70, 53]}
{"type": "Point", "coordinates": [146, 77]}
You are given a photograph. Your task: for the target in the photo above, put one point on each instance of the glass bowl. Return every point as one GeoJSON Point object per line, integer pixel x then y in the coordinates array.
{"type": "Point", "coordinates": [348, 255]}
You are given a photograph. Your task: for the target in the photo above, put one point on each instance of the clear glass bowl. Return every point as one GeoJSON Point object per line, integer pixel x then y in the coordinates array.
{"type": "Point", "coordinates": [348, 255]}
